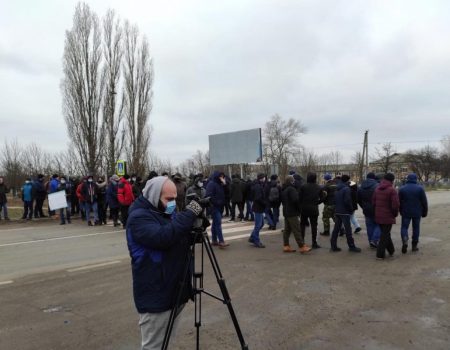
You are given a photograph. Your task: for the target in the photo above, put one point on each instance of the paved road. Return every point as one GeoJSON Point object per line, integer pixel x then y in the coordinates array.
{"type": "Point", "coordinates": [70, 288]}
{"type": "Point", "coordinates": [51, 247]}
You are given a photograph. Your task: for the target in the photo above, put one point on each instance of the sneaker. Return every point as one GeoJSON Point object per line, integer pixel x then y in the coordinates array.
{"type": "Point", "coordinates": [288, 249]}
{"type": "Point", "coordinates": [259, 245]}
{"type": "Point", "coordinates": [304, 249]}
{"type": "Point", "coordinates": [250, 240]}
{"type": "Point", "coordinates": [335, 249]}
{"type": "Point", "coordinates": [354, 250]}
{"type": "Point", "coordinates": [62, 223]}
{"type": "Point", "coordinates": [325, 233]}
{"type": "Point", "coordinates": [223, 245]}
{"type": "Point", "coordinates": [404, 248]}
{"type": "Point", "coordinates": [231, 220]}
{"type": "Point", "coordinates": [315, 246]}
{"type": "Point", "coordinates": [415, 249]}
{"type": "Point", "coordinates": [379, 259]}
{"type": "Point", "coordinates": [90, 223]}
{"type": "Point", "coordinates": [357, 230]}
{"type": "Point", "coordinates": [214, 243]}
{"type": "Point", "coordinates": [373, 245]}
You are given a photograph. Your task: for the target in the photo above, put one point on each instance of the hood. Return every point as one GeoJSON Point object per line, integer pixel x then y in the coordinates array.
{"type": "Point", "coordinates": [368, 184]}
{"type": "Point", "coordinates": [215, 176]}
{"type": "Point", "coordinates": [340, 185]}
{"type": "Point", "coordinates": [236, 180]}
{"type": "Point", "coordinates": [101, 185]}
{"type": "Point", "coordinates": [384, 184]}
{"type": "Point", "coordinates": [152, 189]}
{"type": "Point", "coordinates": [412, 178]}
{"type": "Point", "coordinates": [311, 178]}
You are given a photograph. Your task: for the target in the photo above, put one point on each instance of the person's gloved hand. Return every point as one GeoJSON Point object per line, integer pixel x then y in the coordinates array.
{"type": "Point", "coordinates": [195, 207]}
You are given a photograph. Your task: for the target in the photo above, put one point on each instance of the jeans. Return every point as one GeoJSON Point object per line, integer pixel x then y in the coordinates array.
{"type": "Point", "coordinates": [4, 206]}
{"type": "Point", "coordinates": [249, 213]}
{"type": "Point", "coordinates": [340, 220]}
{"type": "Point", "coordinates": [373, 230]}
{"type": "Point", "coordinates": [415, 229]}
{"type": "Point", "coordinates": [89, 207]}
{"type": "Point", "coordinates": [27, 209]}
{"type": "Point", "coordinates": [67, 209]}
{"type": "Point", "coordinates": [269, 216]}
{"type": "Point", "coordinates": [216, 226]}
{"type": "Point", "coordinates": [259, 223]}
{"type": "Point", "coordinates": [354, 221]}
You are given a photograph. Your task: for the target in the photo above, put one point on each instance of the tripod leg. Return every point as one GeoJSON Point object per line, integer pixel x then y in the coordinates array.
{"type": "Point", "coordinates": [223, 288]}
{"type": "Point", "coordinates": [175, 310]}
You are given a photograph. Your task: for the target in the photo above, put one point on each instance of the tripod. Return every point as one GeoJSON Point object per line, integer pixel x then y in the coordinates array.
{"type": "Point", "coordinates": [201, 237]}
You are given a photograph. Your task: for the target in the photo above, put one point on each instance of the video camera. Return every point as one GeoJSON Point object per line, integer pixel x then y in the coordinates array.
{"type": "Point", "coordinates": [202, 223]}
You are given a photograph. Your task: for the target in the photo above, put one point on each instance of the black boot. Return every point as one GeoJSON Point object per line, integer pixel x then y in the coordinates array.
{"type": "Point", "coordinates": [404, 247]}
{"type": "Point", "coordinates": [414, 246]}
{"type": "Point", "coordinates": [315, 245]}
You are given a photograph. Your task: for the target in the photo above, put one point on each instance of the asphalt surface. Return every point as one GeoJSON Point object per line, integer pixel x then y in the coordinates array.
{"type": "Point", "coordinates": [69, 287]}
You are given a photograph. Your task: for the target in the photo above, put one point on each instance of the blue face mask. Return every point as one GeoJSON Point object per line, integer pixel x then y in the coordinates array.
{"type": "Point", "coordinates": [170, 208]}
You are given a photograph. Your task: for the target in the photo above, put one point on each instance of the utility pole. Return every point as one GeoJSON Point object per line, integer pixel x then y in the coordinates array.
{"type": "Point", "coordinates": [365, 155]}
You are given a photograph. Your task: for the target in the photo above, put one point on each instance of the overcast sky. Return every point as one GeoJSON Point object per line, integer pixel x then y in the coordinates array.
{"type": "Point", "coordinates": [340, 67]}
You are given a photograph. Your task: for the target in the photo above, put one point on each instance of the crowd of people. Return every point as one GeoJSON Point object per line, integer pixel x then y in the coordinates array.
{"type": "Point", "coordinates": [257, 200]}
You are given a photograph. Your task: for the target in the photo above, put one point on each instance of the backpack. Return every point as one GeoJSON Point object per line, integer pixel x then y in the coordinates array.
{"type": "Point", "coordinates": [274, 194]}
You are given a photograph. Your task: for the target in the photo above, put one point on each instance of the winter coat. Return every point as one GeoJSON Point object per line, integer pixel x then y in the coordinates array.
{"type": "Point", "coordinates": [67, 187]}
{"type": "Point", "coordinates": [248, 190]}
{"type": "Point", "coordinates": [215, 190]}
{"type": "Point", "coordinates": [78, 192]}
{"type": "Point", "coordinates": [158, 247]}
{"type": "Point", "coordinates": [89, 192]}
{"type": "Point", "coordinates": [101, 192]}
{"type": "Point", "coordinates": [330, 189]}
{"type": "Point", "coordinates": [365, 194]}
{"type": "Point", "coordinates": [28, 193]}
{"type": "Point", "coordinates": [199, 192]}
{"type": "Point", "coordinates": [3, 191]}
{"type": "Point", "coordinates": [386, 203]}
{"type": "Point", "coordinates": [237, 189]}
{"type": "Point", "coordinates": [354, 194]}
{"type": "Point", "coordinates": [343, 199]}
{"type": "Point", "coordinates": [290, 200]}
{"type": "Point", "coordinates": [258, 197]}
{"type": "Point", "coordinates": [111, 196]}
{"type": "Point", "coordinates": [39, 187]}
{"type": "Point", "coordinates": [125, 193]}
{"type": "Point", "coordinates": [311, 195]}
{"type": "Point", "coordinates": [137, 188]}
{"type": "Point", "coordinates": [53, 185]}
{"type": "Point", "coordinates": [413, 200]}
{"type": "Point", "coordinates": [273, 184]}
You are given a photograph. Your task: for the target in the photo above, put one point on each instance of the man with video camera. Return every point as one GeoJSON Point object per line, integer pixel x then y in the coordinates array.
{"type": "Point", "coordinates": [158, 242]}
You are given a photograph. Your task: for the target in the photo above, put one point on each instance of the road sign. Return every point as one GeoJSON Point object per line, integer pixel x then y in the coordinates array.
{"type": "Point", "coordinates": [121, 167]}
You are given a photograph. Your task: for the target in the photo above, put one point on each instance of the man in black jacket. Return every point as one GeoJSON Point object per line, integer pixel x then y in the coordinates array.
{"type": "Point", "coordinates": [259, 205]}
{"type": "Point", "coordinates": [41, 194]}
{"type": "Point", "coordinates": [237, 189]}
{"type": "Point", "coordinates": [291, 212]}
{"type": "Point", "coordinates": [365, 194]}
{"type": "Point", "coordinates": [311, 195]}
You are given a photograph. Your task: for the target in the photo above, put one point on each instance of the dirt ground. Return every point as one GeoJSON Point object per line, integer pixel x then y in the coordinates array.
{"type": "Point", "coordinates": [283, 301]}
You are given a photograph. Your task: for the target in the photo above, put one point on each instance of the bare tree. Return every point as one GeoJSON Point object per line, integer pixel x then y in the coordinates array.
{"type": "Point", "coordinates": [35, 159]}
{"type": "Point", "coordinates": [280, 141]}
{"type": "Point", "coordinates": [112, 108]}
{"type": "Point", "coordinates": [83, 86]}
{"type": "Point", "coordinates": [12, 164]}
{"type": "Point", "coordinates": [384, 156]}
{"type": "Point", "coordinates": [138, 80]}
{"type": "Point", "coordinates": [424, 162]}
{"type": "Point", "coordinates": [445, 143]}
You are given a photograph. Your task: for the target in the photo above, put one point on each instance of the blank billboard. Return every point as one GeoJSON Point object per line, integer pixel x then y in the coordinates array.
{"type": "Point", "coordinates": [239, 147]}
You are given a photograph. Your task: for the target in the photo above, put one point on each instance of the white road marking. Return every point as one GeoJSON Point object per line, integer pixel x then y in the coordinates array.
{"type": "Point", "coordinates": [5, 282]}
{"type": "Point", "coordinates": [18, 229]}
{"type": "Point", "coordinates": [88, 267]}
{"type": "Point", "coordinates": [58, 238]}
